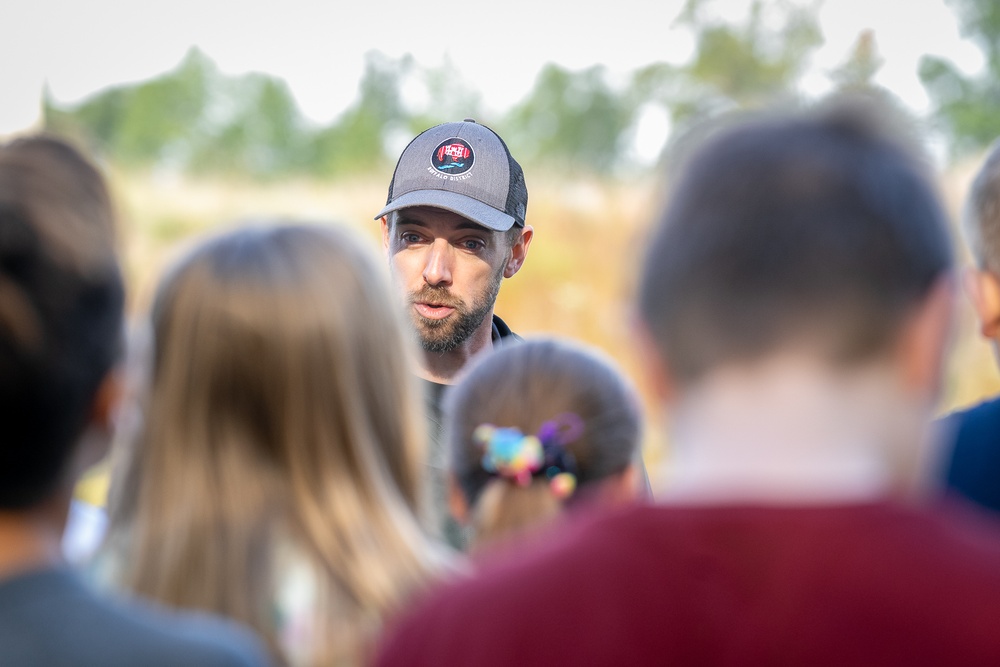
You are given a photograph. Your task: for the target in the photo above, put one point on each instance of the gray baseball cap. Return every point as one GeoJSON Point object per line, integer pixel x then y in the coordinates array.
{"type": "Point", "coordinates": [464, 168]}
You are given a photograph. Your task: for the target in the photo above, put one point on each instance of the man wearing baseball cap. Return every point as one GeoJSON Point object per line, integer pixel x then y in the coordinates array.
{"type": "Point", "coordinates": [454, 227]}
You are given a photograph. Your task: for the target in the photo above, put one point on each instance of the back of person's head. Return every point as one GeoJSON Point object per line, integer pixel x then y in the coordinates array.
{"type": "Point", "coordinates": [534, 427]}
{"type": "Point", "coordinates": [280, 419]}
{"type": "Point", "coordinates": [981, 219]}
{"type": "Point", "coordinates": [61, 301]}
{"type": "Point", "coordinates": [981, 225]}
{"type": "Point", "coordinates": [818, 233]}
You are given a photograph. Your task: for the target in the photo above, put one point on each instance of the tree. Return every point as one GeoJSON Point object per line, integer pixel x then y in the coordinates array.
{"type": "Point", "coordinates": [449, 97]}
{"type": "Point", "coordinates": [262, 134]}
{"type": "Point", "coordinates": [965, 106]}
{"type": "Point", "coordinates": [356, 141]}
{"type": "Point", "coordinates": [738, 65]}
{"type": "Point", "coordinates": [571, 120]}
{"type": "Point", "coordinates": [143, 123]}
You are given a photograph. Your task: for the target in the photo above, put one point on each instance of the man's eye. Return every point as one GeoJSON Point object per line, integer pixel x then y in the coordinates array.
{"type": "Point", "coordinates": [410, 238]}
{"type": "Point", "coordinates": [473, 244]}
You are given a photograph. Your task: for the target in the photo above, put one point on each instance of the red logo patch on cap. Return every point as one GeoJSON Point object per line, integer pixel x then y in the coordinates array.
{"type": "Point", "coordinates": [453, 156]}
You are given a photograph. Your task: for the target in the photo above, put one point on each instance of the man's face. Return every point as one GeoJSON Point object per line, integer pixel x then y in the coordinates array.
{"type": "Point", "coordinates": [449, 269]}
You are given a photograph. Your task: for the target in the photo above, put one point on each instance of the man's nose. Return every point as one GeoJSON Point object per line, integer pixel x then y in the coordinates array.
{"type": "Point", "coordinates": [437, 270]}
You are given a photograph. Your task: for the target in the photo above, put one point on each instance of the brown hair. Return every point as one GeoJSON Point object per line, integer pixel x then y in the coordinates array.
{"type": "Point", "coordinates": [61, 302]}
{"type": "Point", "coordinates": [524, 386]}
{"type": "Point", "coordinates": [981, 219]}
{"type": "Point", "coordinates": [818, 229]}
{"type": "Point", "coordinates": [281, 417]}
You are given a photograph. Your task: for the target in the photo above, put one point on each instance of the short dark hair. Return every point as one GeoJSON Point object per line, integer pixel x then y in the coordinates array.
{"type": "Point", "coordinates": [61, 301]}
{"type": "Point", "coordinates": [819, 228]}
{"type": "Point", "coordinates": [981, 220]}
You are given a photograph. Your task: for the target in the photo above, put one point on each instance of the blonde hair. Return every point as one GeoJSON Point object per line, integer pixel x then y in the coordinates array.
{"type": "Point", "coordinates": [281, 411]}
{"type": "Point", "coordinates": [523, 386]}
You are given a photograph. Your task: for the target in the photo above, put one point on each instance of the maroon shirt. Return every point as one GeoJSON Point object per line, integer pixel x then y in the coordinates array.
{"type": "Point", "coordinates": [854, 584]}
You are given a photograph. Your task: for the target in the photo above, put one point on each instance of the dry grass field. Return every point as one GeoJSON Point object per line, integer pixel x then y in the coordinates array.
{"type": "Point", "coordinates": [577, 282]}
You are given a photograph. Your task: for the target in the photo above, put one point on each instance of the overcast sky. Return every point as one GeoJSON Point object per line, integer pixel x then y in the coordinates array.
{"type": "Point", "coordinates": [82, 46]}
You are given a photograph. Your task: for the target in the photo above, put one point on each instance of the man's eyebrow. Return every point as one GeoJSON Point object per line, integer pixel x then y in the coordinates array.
{"type": "Point", "coordinates": [466, 224]}
{"type": "Point", "coordinates": [411, 222]}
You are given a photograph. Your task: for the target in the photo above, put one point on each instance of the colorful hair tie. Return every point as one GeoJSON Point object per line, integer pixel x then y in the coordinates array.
{"type": "Point", "coordinates": [509, 453]}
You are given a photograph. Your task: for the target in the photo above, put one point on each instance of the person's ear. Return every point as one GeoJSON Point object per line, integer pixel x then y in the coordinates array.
{"type": "Point", "coordinates": [621, 488]}
{"type": "Point", "coordinates": [983, 290]}
{"type": "Point", "coordinates": [925, 337]}
{"type": "Point", "coordinates": [518, 252]}
{"type": "Point", "coordinates": [100, 429]}
{"type": "Point", "coordinates": [655, 369]}
{"type": "Point", "coordinates": [457, 504]}
{"type": "Point", "coordinates": [385, 234]}
{"type": "Point", "coordinates": [107, 400]}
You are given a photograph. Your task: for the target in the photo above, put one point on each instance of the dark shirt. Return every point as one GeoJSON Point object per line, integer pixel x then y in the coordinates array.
{"type": "Point", "coordinates": [973, 466]}
{"type": "Point", "coordinates": [49, 618]}
{"type": "Point", "coordinates": [438, 517]}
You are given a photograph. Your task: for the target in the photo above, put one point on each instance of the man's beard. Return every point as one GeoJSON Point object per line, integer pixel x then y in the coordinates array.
{"type": "Point", "coordinates": [447, 334]}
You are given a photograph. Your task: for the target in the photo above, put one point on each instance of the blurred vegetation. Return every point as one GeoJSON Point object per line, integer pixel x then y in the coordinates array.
{"type": "Point", "coordinates": [966, 105]}
{"type": "Point", "coordinates": [737, 65]}
{"type": "Point", "coordinates": [196, 120]}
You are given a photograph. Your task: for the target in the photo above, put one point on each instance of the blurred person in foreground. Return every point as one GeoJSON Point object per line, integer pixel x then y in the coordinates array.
{"type": "Point", "coordinates": [535, 431]}
{"type": "Point", "coordinates": [273, 477]}
{"type": "Point", "coordinates": [795, 306]}
{"type": "Point", "coordinates": [972, 436]}
{"type": "Point", "coordinates": [61, 301]}
{"type": "Point", "coordinates": [454, 228]}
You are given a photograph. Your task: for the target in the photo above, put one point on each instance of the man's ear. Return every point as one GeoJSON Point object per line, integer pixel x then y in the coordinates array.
{"type": "Point", "coordinates": [925, 337]}
{"type": "Point", "coordinates": [518, 252]}
{"type": "Point", "coordinates": [385, 233]}
{"type": "Point", "coordinates": [457, 504]}
{"type": "Point", "coordinates": [983, 290]}
{"type": "Point", "coordinates": [655, 369]}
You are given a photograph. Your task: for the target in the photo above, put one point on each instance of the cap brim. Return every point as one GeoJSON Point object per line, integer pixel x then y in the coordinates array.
{"type": "Point", "coordinates": [467, 207]}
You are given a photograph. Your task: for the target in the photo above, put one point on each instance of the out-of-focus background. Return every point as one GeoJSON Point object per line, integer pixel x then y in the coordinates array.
{"type": "Point", "coordinates": [208, 112]}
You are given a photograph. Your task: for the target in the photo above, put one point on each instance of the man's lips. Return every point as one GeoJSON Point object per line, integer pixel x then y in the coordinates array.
{"type": "Point", "coordinates": [433, 311]}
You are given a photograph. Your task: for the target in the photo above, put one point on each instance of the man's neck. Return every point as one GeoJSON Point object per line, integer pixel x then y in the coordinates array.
{"type": "Point", "coordinates": [442, 367]}
{"type": "Point", "coordinates": [31, 539]}
{"type": "Point", "coordinates": [790, 433]}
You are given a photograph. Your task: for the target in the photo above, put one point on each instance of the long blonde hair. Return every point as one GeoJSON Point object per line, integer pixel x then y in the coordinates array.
{"type": "Point", "coordinates": [280, 410]}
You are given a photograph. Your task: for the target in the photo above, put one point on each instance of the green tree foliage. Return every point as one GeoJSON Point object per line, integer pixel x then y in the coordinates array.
{"type": "Point", "coordinates": [569, 119]}
{"type": "Point", "coordinates": [197, 119]}
{"type": "Point", "coordinates": [966, 106]}
{"type": "Point", "coordinates": [356, 141]}
{"type": "Point", "coordinates": [745, 64]}
{"type": "Point", "coordinates": [739, 64]}
{"type": "Point", "coordinates": [449, 97]}
{"type": "Point", "coordinates": [146, 122]}
{"type": "Point", "coordinates": [258, 130]}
